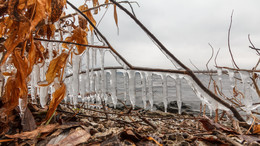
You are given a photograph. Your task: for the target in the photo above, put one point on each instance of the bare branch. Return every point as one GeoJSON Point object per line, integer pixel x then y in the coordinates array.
{"type": "Point", "coordinates": [56, 41]}
{"type": "Point", "coordinates": [229, 47]}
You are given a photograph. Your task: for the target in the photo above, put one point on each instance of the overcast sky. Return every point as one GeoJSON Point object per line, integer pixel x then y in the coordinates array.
{"type": "Point", "coordinates": [186, 27]}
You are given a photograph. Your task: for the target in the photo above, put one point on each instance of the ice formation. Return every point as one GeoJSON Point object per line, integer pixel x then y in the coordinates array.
{"type": "Point", "coordinates": [247, 99]}
{"type": "Point", "coordinates": [34, 80]}
{"type": "Point", "coordinates": [119, 60]}
{"type": "Point", "coordinates": [219, 71]}
{"type": "Point", "coordinates": [144, 94]}
{"type": "Point", "coordinates": [43, 90]}
{"type": "Point", "coordinates": [113, 84]}
{"type": "Point", "coordinates": [103, 75]}
{"type": "Point", "coordinates": [165, 91]}
{"type": "Point", "coordinates": [149, 77]}
{"type": "Point", "coordinates": [178, 93]}
{"type": "Point", "coordinates": [231, 75]}
{"type": "Point", "coordinates": [75, 77]}
{"type": "Point", "coordinates": [126, 85]}
{"type": "Point", "coordinates": [203, 96]}
{"type": "Point", "coordinates": [131, 74]}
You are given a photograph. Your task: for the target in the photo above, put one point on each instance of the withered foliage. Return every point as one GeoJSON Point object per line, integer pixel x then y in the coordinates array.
{"type": "Point", "coordinates": [21, 21]}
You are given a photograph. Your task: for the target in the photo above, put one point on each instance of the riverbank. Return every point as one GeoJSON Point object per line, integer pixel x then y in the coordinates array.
{"type": "Point", "coordinates": [84, 126]}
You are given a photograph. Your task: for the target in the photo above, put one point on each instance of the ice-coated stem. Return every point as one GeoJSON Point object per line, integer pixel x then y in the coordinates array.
{"type": "Point", "coordinates": [165, 91]}
{"type": "Point", "coordinates": [150, 89]}
{"type": "Point", "coordinates": [43, 90]}
{"type": "Point", "coordinates": [178, 93]}
{"type": "Point", "coordinates": [131, 74]}
{"type": "Point", "coordinates": [113, 82]}
{"type": "Point", "coordinates": [75, 78]}
{"type": "Point", "coordinates": [125, 74]}
{"type": "Point", "coordinates": [103, 75]}
{"type": "Point", "coordinates": [247, 100]}
{"type": "Point", "coordinates": [143, 79]}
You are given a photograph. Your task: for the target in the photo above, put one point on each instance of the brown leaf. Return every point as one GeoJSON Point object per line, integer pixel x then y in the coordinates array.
{"type": "Point", "coordinates": [78, 36]}
{"type": "Point", "coordinates": [55, 67]}
{"type": "Point", "coordinates": [28, 120]}
{"type": "Point", "coordinates": [10, 97]}
{"type": "Point", "coordinates": [210, 125]}
{"type": "Point", "coordinates": [77, 137]}
{"type": "Point", "coordinates": [16, 37]}
{"type": "Point", "coordinates": [57, 97]}
{"type": "Point", "coordinates": [256, 129]}
{"type": "Point", "coordinates": [33, 134]}
{"type": "Point", "coordinates": [41, 7]}
{"type": "Point", "coordinates": [21, 65]}
{"type": "Point", "coordinates": [95, 3]}
{"type": "Point", "coordinates": [31, 56]}
{"type": "Point", "coordinates": [89, 15]}
{"type": "Point", "coordinates": [57, 8]}
{"type": "Point", "coordinates": [115, 15]}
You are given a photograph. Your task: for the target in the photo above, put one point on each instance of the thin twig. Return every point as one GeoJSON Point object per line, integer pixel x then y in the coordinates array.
{"type": "Point", "coordinates": [56, 41]}
{"type": "Point", "coordinates": [229, 47]}
{"type": "Point", "coordinates": [94, 8]}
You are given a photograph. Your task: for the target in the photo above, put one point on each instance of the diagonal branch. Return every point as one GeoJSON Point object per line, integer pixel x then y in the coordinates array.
{"type": "Point", "coordinates": [189, 71]}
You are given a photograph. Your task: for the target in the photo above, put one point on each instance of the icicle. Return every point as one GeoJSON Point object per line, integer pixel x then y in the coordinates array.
{"type": "Point", "coordinates": [178, 93]}
{"type": "Point", "coordinates": [173, 61]}
{"type": "Point", "coordinates": [50, 49]}
{"type": "Point", "coordinates": [131, 74]}
{"type": "Point", "coordinates": [22, 106]}
{"type": "Point", "coordinates": [203, 96]}
{"type": "Point", "coordinates": [143, 79]}
{"type": "Point", "coordinates": [103, 75]}
{"type": "Point", "coordinates": [75, 77]}
{"type": "Point", "coordinates": [34, 79]}
{"type": "Point", "coordinates": [150, 89]}
{"type": "Point", "coordinates": [87, 78]}
{"type": "Point", "coordinates": [82, 83]}
{"type": "Point", "coordinates": [219, 70]}
{"type": "Point", "coordinates": [119, 60]}
{"type": "Point", "coordinates": [247, 100]}
{"type": "Point", "coordinates": [43, 90]}
{"type": "Point", "coordinates": [165, 91]}
{"type": "Point", "coordinates": [97, 88]}
{"type": "Point", "coordinates": [231, 75]}
{"type": "Point", "coordinates": [113, 83]}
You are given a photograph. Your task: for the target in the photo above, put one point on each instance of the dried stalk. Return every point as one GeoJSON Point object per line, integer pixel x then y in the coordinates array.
{"type": "Point", "coordinates": [229, 48]}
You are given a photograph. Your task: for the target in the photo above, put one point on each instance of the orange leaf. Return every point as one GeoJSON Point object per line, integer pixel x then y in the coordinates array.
{"type": "Point", "coordinates": [57, 97]}
{"type": "Point", "coordinates": [115, 15]}
{"type": "Point", "coordinates": [78, 36]}
{"type": "Point", "coordinates": [89, 15]}
{"type": "Point", "coordinates": [16, 37]}
{"type": "Point", "coordinates": [31, 56]}
{"type": "Point", "coordinates": [22, 72]}
{"type": "Point", "coordinates": [10, 97]}
{"type": "Point", "coordinates": [39, 13]}
{"type": "Point", "coordinates": [95, 3]}
{"type": "Point", "coordinates": [55, 67]}
{"type": "Point", "coordinates": [256, 129]}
